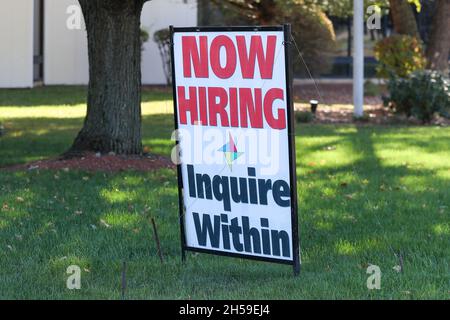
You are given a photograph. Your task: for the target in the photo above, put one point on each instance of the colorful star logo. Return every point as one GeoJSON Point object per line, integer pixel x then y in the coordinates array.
{"type": "Point", "coordinates": [230, 152]}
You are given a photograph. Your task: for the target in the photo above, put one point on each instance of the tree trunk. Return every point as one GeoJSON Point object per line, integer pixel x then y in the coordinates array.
{"type": "Point", "coordinates": [403, 18]}
{"type": "Point", "coordinates": [266, 12]}
{"type": "Point", "coordinates": [113, 120]}
{"type": "Point", "coordinates": [438, 49]}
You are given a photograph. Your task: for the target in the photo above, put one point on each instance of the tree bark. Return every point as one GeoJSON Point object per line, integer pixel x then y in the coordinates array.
{"type": "Point", "coordinates": [403, 18]}
{"type": "Point", "coordinates": [438, 49]}
{"type": "Point", "coordinates": [113, 120]}
{"type": "Point", "coordinates": [267, 12]}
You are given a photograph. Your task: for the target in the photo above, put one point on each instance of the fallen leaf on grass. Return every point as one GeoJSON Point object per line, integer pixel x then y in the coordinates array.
{"type": "Point", "coordinates": [350, 196]}
{"type": "Point", "coordinates": [103, 222]}
{"type": "Point", "coordinates": [20, 199]}
{"type": "Point", "coordinates": [397, 268]}
{"type": "Point", "coordinates": [350, 218]}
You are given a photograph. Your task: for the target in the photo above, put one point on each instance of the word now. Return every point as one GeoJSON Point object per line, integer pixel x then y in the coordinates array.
{"type": "Point", "coordinates": [240, 190]}
{"type": "Point", "coordinates": [198, 54]}
{"type": "Point", "coordinates": [205, 105]}
{"type": "Point", "coordinates": [254, 239]}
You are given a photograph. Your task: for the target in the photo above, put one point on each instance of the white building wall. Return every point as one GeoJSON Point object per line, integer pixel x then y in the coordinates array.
{"type": "Point", "coordinates": [65, 51]}
{"type": "Point", "coordinates": [16, 43]}
{"type": "Point", "coordinates": [159, 14]}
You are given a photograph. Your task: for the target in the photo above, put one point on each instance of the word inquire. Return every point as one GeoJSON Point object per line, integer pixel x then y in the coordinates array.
{"type": "Point", "coordinates": [238, 189]}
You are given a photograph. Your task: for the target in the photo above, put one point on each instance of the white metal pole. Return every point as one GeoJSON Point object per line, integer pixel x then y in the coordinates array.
{"type": "Point", "coordinates": [358, 57]}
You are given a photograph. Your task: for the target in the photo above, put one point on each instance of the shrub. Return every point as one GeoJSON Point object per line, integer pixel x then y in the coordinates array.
{"type": "Point", "coordinates": [420, 95]}
{"type": "Point", "coordinates": [372, 89]}
{"type": "Point", "coordinates": [144, 36]}
{"type": "Point", "coordinates": [399, 55]}
{"type": "Point", "coordinates": [162, 39]}
{"type": "Point", "coordinates": [312, 30]}
{"type": "Point", "coordinates": [303, 116]}
{"type": "Point", "coordinates": [317, 44]}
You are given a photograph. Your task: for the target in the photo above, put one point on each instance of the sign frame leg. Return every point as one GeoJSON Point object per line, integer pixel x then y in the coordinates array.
{"type": "Point", "coordinates": [179, 177]}
{"type": "Point", "coordinates": [292, 158]}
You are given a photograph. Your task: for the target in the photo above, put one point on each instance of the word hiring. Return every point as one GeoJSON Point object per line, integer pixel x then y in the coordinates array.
{"type": "Point", "coordinates": [235, 107]}
{"type": "Point", "coordinates": [239, 190]}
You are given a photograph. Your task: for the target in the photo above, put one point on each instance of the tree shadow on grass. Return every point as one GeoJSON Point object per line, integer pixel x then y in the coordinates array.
{"type": "Point", "coordinates": [68, 218]}
{"type": "Point", "coordinates": [376, 213]}
{"type": "Point", "coordinates": [351, 214]}
{"type": "Point", "coordinates": [30, 139]}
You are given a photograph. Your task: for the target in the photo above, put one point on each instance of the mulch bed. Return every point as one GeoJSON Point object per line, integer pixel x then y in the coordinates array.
{"type": "Point", "coordinates": [338, 94]}
{"type": "Point", "coordinates": [97, 162]}
{"type": "Point", "coordinates": [327, 114]}
{"type": "Point", "coordinates": [331, 93]}
{"type": "Point", "coordinates": [375, 115]}
{"type": "Point", "coordinates": [342, 93]}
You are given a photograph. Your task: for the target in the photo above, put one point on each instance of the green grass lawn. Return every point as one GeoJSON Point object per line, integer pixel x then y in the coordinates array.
{"type": "Point", "coordinates": [376, 192]}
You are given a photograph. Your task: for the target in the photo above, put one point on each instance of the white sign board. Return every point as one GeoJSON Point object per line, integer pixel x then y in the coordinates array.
{"type": "Point", "coordinates": [233, 113]}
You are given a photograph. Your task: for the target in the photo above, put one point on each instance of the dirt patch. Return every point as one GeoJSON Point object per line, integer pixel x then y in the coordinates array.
{"type": "Point", "coordinates": [99, 162]}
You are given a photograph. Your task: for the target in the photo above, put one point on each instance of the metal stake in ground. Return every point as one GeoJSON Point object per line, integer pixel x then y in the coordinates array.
{"type": "Point", "coordinates": [124, 279]}
{"type": "Point", "coordinates": [158, 245]}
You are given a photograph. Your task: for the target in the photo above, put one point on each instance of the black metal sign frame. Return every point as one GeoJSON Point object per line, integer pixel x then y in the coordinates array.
{"type": "Point", "coordinates": [295, 262]}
